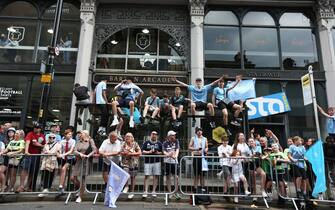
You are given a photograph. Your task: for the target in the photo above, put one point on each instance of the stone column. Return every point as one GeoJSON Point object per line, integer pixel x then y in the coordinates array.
{"type": "Point", "coordinates": [197, 12]}
{"type": "Point", "coordinates": [87, 17]}
{"type": "Point", "coordinates": [326, 21]}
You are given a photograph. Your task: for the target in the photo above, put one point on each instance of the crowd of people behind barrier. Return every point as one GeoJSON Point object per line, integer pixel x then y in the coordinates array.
{"type": "Point", "coordinates": [241, 162]}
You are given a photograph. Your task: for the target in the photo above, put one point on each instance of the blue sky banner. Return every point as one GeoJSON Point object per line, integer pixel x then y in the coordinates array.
{"type": "Point", "coordinates": [244, 90]}
{"type": "Point", "coordinates": [316, 157]}
{"type": "Point", "coordinates": [267, 105]}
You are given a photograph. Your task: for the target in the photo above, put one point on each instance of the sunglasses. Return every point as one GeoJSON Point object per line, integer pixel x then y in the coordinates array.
{"type": "Point", "coordinates": [52, 137]}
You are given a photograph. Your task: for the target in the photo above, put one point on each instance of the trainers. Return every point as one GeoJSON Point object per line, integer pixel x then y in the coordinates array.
{"type": "Point", "coordinates": [264, 194]}
{"type": "Point", "coordinates": [154, 195]}
{"type": "Point", "coordinates": [177, 196]}
{"type": "Point", "coordinates": [78, 200]}
{"type": "Point", "coordinates": [43, 194]}
{"type": "Point", "coordinates": [238, 119]}
{"type": "Point", "coordinates": [61, 191]}
{"type": "Point", "coordinates": [247, 192]}
{"type": "Point", "coordinates": [228, 132]}
{"type": "Point", "coordinates": [131, 123]}
{"type": "Point", "coordinates": [235, 199]}
{"type": "Point", "coordinates": [193, 122]}
{"type": "Point", "coordinates": [145, 195]}
{"type": "Point", "coordinates": [219, 175]}
{"type": "Point", "coordinates": [125, 190]}
{"type": "Point", "coordinates": [235, 123]}
{"type": "Point", "coordinates": [131, 196]}
{"type": "Point", "coordinates": [115, 122]}
{"type": "Point", "coordinates": [212, 124]}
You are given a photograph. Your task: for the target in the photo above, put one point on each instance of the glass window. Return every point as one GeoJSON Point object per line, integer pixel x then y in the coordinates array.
{"type": "Point", "coordinates": [26, 9]}
{"type": "Point", "coordinates": [294, 19]}
{"type": "Point", "coordinates": [258, 18]}
{"type": "Point", "coordinates": [69, 12]}
{"type": "Point", "coordinates": [333, 32]}
{"type": "Point", "coordinates": [298, 48]}
{"type": "Point", "coordinates": [260, 48]}
{"type": "Point", "coordinates": [222, 47]}
{"type": "Point", "coordinates": [221, 18]}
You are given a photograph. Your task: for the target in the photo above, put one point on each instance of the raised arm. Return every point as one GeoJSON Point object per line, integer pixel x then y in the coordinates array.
{"type": "Point", "coordinates": [118, 85]}
{"type": "Point", "coordinates": [179, 82]}
{"type": "Point", "coordinates": [323, 112]}
{"type": "Point", "coordinates": [216, 81]}
{"type": "Point", "coordinates": [238, 80]}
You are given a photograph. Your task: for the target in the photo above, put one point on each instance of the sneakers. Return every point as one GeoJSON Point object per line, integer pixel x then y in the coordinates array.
{"type": "Point", "coordinates": [212, 124]}
{"type": "Point", "coordinates": [78, 200]}
{"type": "Point", "coordinates": [131, 123]}
{"type": "Point", "coordinates": [247, 192]}
{"type": "Point", "coordinates": [235, 199]}
{"type": "Point", "coordinates": [154, 195]}
{"type": "Point", "coordinates": [125, 190]}
{"type": "Point", "coordinates": [219, 175]}
{"type": "Point", "coordinates": [131, 196]}
{"type": "Point", "coordinates": [41, 195]}
{"type": "Point", "coordinates": [61, 191]}
{"type": "Point", "coordinates": [115, 122]}
{"type": "Point", "coordinates": [228, 132]}
{"type": "Point", "coordinates": [145, 195]}
{"type": "Point", "coordinates": [193, 123]}
{"type": "Point", "coordinates": [234, 122]}
{"type": "Point", "coordinates": [264, 194]}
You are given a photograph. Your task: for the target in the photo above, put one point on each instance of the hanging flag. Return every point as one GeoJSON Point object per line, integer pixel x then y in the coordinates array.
{"type": "Point", "coordinates": [116, 180]}
{"type": "Point", "coordinates": [244, 90]}
{"type": "Point", "coordinates": [316, 157]}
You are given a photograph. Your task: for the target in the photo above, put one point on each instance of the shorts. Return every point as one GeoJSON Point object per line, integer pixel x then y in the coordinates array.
{"type": "Point", "coordinates": [226, 171]}
{"type": "Point", "coordinates": [30, 164]}
{"type": "Point", "coordinates": [152, 169]}
{"type": "Point", "coordinates": [298, 172]}
{"type": "Point", "coordinates": [171, 168]}
{"type": "Point", "coordinates": [280, 177]}
{"type": "Point", "coordinates": [237, 176]}
{"type": "Point", "coordinates": [152, 108]}
{"type": "Point", "coordinates": [199, 105]}
{"type": "Point", "coordinates": [131, 171]}
{"type": "Point", "coordinates": [222, 105]}
{"type": "Point", "coordinates": [197, 166]}
{"type": "Point", "coordinates": [124, 102]}
{"type": "Point", "coordinates": [62, 161]}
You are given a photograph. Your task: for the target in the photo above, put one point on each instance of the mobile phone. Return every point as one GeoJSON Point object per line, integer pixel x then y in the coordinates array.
{"type": "Point", "coordinates": [200, 148]}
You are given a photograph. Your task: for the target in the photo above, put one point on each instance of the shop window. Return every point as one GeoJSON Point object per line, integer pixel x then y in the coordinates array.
{"type": "Point", "coordinates": [294, 19]}
{"type": "Point", "coordinates": [258, 19]}
{"type": "Point", "coordinates": [221, 18]}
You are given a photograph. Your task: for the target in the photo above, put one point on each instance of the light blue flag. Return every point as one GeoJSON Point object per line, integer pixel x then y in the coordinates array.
{"type": "Point", "coordinates": [116, 180]}
{"type": "Point", "coordinates": [316, 157]}
{"type": "Point", "coordinates": [244, 90]}
{"type": "Point", "coordinates": [137, 114]}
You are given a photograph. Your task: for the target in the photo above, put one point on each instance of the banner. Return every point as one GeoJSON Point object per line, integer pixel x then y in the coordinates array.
{"type": "Point", "coordinates": [316, 157]}
{"type": "Point", "coordinates": [306, 89]}
{"type": "Point", "coordinates": [116, 180]}
{"type": "Point", "coordinates": [267, 105]}
{"type": "Point", "coordinates": [244, 90]}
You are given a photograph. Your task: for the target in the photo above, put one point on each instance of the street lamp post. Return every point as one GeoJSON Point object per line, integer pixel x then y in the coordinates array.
{"type": "Point", "coordinates": [48, 73]}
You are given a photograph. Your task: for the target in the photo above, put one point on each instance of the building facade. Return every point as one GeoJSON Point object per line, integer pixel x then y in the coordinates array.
{"type": "Point", "coordinates": [273, 41]}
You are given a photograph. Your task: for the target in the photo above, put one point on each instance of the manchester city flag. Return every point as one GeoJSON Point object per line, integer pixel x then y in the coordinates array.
{"type": "Point", "coordinates": [116, 180]}
{"type": "Point", "coordinates": [316, 157]}
{"type": "Point", "coordinates": [244, 90]}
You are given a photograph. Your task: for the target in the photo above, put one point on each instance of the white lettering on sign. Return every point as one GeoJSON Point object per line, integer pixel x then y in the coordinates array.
{"type": "Point", "coordinates": [265, 106]}
{"type": "Point", "coordinates": [6, 93]}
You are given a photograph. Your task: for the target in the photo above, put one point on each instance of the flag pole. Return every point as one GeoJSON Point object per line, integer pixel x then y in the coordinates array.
{"type": "Point", "coordinates": [316, 116]}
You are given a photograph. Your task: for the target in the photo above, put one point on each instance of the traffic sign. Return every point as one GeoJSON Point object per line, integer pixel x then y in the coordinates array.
{"type": "Point", "coordinates": [46, 78]}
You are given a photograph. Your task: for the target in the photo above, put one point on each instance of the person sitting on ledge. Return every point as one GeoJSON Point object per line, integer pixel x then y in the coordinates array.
{"type": "Point", "coordinates": [177, 103]}
{"type": "Point", "coordinates": [152, 104]}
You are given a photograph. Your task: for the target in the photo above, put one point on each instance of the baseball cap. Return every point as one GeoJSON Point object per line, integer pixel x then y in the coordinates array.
{"type": "Point", "coordinates": [11, 129]}
{"type": "Point", "coordinates": [154, 132]}
{"type": "Point", "coordinates": [171, 133]}
{"type": "Point", "coordinates": [37, 125]}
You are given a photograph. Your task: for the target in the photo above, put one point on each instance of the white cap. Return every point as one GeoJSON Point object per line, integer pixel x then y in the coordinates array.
{"type": "Point", "coordinates": [171, 133]}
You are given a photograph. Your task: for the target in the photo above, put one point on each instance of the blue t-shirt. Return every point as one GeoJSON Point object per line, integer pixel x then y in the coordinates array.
{"type": "Point", "coordinates": [331, 125]}
{"type": "Point", "coordinates": [99, 99]}
{"type": "Point", "coordinates": [220, 94]}
{"type": "Point", "coordinates": [298, 153]}
{"type": "Point", "coordinates": [199, 94]}
{"type": "Point", "coordinates": [155, 102]}
{"type": "Point", "coordinates": [255, 150]}
{"type": "Point", "coordinates": [177, 100]}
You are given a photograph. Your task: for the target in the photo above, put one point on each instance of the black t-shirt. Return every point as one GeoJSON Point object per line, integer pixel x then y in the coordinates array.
{"type": "Point", "coordinates": [81, 93]}
{"type": "Point", "coordinates": [149, 145]}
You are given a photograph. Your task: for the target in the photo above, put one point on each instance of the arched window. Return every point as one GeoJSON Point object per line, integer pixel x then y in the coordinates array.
{"type": "Point", "coordinates": [141, 49]}
{"type": "Point", "coordinates": [221, 40]}
{"type": "Point", "coordinates": [297, 41]}
{"type": "Point", "coordinates": [68, 37]}
{"type": "Point", "coordinates": [17, 37]}
{"type": "Point", "coordinates": [260, 41]}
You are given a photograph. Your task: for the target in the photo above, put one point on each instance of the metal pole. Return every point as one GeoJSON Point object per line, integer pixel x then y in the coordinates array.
{"type": "Point", "coordinates": [316, 116]}
{"type": "Point", "coordinates": [50, 65]}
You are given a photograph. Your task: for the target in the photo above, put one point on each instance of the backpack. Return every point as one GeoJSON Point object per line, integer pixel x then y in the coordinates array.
{"type": "Point", "coordinates": [202, 199]}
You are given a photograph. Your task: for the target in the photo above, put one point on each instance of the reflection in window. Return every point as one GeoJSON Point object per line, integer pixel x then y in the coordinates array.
{"type": "Point", "coordinates": [221, 18]}
{"type": "Point", "coordinates": [258, 18]}
{"type": "Point", "coordinates": [260, 48]}
{"type": "Point", "coordinates": [26, 10]}
{"type": "Point", "coordinates": [69, 12]}
{"type": "Point", "coordinates": [298, 48]}
{"type": "Point", "coordinates": [294, 19]}
{"type": "Point", "coordinates": [222, 47]}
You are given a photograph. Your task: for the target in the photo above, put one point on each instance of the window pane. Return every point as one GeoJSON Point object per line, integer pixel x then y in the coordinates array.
{"type": "Point", "coordinates": [141, 43]}
{"type": "Point", "coordinates": [115, 44]}
{"type": "Point", "coordinates": [298, 47]}
{"type": "Point", "coordinates": [260, 48]}
{"type": "Point", "coordinates": [69, 12]}
{"type": "Point", "coordinates": [110, 63]}
{"type": "Point", "coordinates": [333, 32]}
{"type": "Point", "coordinates": [222, 47]}
{"type": "Point", "coordinates": [19, 8]}
{"type": "Point", "coordinates": [294, 19]}
{"type": "Point", "coordinates": [17, 40]}
{"type": "Point", "coordinates": [221, 18]}
{"type": "Point", "coordinates": [258, 18]}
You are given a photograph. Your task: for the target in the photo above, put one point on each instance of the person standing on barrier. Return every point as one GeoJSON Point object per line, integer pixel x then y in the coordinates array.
{"type": "Point", "coordinates": [49, 163]}
{"type": "Point", "coordinates": [171, 150]}
{"type": "Point", "coordinates": [296, 155]}
{"type": "Point", "coordinates": [66, 160]}
{"type": "Point", "coordinates": [14, 151]}
{"type": "Point", "coordinates": [100, 99]}
{"type": "Point", "coordinates": [130, 152]}
{"type": "Point", "coordinates": [224, 151]}
{"type": "Point", "coordinates": [152, 165]}
{"type": "Point", "coordinates": [110, 150]}
{"type": "Point", "coordinates": [238, 175]}
{"type": "Point", "coordinates": [84, 149]}
{"type": "Point", "coordinates": [199, 149]}
{"type": "Point", "coordinates": [34, 143]}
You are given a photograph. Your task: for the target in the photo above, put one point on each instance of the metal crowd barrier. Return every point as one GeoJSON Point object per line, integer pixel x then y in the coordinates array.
{"type": "Point", "coordinates": [285, 184]}
{"type": "Point", "coordinates": [95, 183]}
{"type": "Point", "coordinates": [23, 175]}
{"type": "Point", "coordinates": [214, 184]}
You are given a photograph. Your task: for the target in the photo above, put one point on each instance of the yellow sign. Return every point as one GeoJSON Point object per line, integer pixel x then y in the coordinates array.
{"type": "Point", "coordinates": [217, 133]}
{"type": "Point", "coordinates": [46, 78]}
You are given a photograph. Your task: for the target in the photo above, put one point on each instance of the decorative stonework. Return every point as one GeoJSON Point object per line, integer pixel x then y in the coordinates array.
{"type": "Point", "coordinates": [88, 6]}
{"type": "Point", "coordinates": [197, 7]}
{"type": "Point", "coordinates": [325, 9]}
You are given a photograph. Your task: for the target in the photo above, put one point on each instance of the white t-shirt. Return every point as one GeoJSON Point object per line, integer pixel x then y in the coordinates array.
{"type": "Point", "coordinates": [227, 150]}
{"type": "Point", "coordinates": [108, 147]}
{"type": "Point", "coordinates": [71, 144]}
{"type": "Point", "coordinates": [244, 148]}
{"type": "Point", "coordinates": [99, 99]}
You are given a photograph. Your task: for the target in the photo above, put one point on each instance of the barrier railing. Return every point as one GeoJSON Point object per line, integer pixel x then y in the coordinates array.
{"type": "Point", "coordinates": [216, 180]}
{"type": "Point", "coordinates": [145, 167]}
{"type": "Point", "coordinates": [35, 174]}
